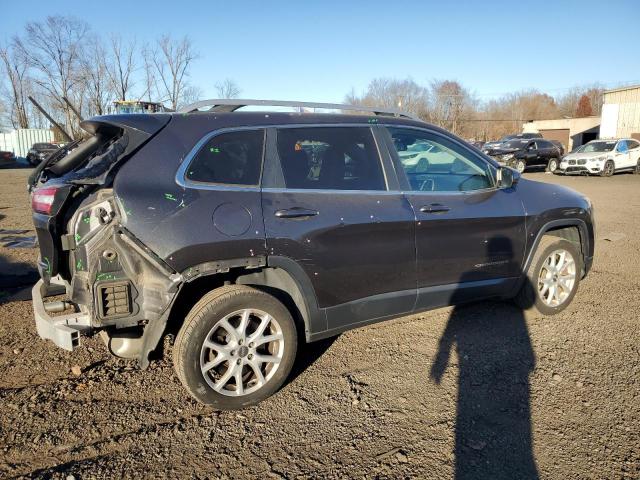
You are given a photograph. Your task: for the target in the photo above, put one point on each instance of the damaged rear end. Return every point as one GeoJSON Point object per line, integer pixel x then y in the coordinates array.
{"type": "Point", "coordinates": [110, 282]}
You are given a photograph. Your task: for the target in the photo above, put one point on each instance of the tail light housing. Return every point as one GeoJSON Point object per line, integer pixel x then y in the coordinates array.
{"type": "Point", "coordinates": [43, 198]}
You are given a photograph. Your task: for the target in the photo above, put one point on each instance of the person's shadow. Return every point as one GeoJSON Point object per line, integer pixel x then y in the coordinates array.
{"type": "Point", "coordinates": [495, 358]}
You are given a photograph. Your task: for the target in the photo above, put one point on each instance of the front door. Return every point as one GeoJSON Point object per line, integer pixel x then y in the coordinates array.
{"type": "Point", "coordinates": [334, 215]}
{"type": "Point", "coordinates": [470, 235]}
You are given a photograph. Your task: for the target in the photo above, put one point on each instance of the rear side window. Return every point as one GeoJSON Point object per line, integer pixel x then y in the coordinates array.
{"type": "Point", "coordinates": [632, 144]}
{"type": "Point", "coordinates": [334, 158]}
{"type": "Point", "coordinates": [233, 158]}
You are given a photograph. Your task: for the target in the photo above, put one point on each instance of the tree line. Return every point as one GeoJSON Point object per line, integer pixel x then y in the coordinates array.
{"type": "Point", "coordinates": [450, 105]}
{"type": "Point", "coordinates": [61, 57]}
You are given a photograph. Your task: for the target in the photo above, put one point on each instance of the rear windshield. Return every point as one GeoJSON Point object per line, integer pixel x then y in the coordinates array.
{"type": "Point", "coordinates": [45, 146]}
{"type": "Point", "coordinates": [599, 146]}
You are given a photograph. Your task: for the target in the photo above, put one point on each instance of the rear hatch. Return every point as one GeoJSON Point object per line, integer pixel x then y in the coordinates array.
{"type": "Point", "coordinates": [74, 172]}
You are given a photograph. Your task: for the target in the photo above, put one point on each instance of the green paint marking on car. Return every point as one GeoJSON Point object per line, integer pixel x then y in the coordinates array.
{"type": "Point", "coordinates": [105, 276]}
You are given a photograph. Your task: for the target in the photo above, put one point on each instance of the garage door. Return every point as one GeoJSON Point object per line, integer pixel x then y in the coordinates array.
{"type": "Point", "coordinates": [559, 134]}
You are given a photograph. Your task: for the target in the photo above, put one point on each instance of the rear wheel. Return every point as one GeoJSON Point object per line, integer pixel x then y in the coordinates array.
{"type": "Point", "coordinates": [236, 347]}
{"type": "Point", "coordinates": [552, 166]}
{"type": "Point", "coordinates": [608, 169]}
{"type": "Point", "coordinates": [637, 169]}
{"type": "Point", "coordinates": [553, 277]}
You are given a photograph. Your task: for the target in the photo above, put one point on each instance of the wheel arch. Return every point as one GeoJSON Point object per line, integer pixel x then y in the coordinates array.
{"type": "Point", "coordinates": [574, 230]}
{"type": "Point", "coordinates": [282, 277]}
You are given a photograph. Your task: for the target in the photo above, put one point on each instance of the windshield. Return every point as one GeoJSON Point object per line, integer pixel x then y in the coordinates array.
{"type": "Point", "coordinates": [506, 138]}
{"type": "Point", "coordinates": [599, 146]}
{"type": "Point", "coordinates": [515, 144]}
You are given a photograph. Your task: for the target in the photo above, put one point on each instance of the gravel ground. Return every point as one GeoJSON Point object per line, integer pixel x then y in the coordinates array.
{"type": "Point", "coordinates": [473, 392]}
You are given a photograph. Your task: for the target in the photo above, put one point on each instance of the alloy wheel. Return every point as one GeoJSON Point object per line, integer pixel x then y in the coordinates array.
{"type": "Point", "coordinates": [608, 169]}
{"type": "Point", "coordinates": [557, 278]}
{"type": "Point", "coordinates": [553, 165]}
{"type": "Point", "coordinates": [520, 166]}
{"type": "Point", "coordinates": [242, 352]}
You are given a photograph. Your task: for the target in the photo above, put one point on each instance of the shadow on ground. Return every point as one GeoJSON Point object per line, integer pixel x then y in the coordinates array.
{"type": "Point", "coordinates": [495, 358]}
{"type": "Point", "coordinates": [16, 279]}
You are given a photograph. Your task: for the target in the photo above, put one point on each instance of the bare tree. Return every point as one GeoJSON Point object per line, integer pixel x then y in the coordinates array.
{"type": "Point", "coordinates": [451, 104]}
{"type": "Point", "coordinates": [148, 74]}
{"type": "Point", "coordinates": [172, 61]}
{"type": "Point", "coordinates": [228, 88]}
{"type": "Point", "coordinates": [94, 71]}
{"type": "Point", "coordinates": [123, 66]}
{"type": "Point", "coordinates": [16, 69]}
{"type": "Point", "coordinates": [392, 93]}
{"type": "Point", "coordinates": [53, 49]}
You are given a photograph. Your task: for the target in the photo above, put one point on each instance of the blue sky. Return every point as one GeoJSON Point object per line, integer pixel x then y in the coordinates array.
{"type": "Point", "coordinates": [318, 51]}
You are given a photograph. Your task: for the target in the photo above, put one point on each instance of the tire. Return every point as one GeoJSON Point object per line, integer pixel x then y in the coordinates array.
{"type": "Point", "coordinates": [552, 166]}
{"type": "Point", "coordinates": [637, 169]}
{"type": "Point", "coordinates": [532, 294]}
{"type": "Point", "coordinates": [520, 165]}
{"type": "Point", "coordinates": [608, 169]}
{"type": "Point", "coordinates": [202, 368]}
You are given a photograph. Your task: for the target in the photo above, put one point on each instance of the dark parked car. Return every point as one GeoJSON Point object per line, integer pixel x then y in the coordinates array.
{"type": "Point", "coordinates": [490, 146]}
{"type": "Point", "coordinates": [40, 151]}
{"type": "Point", "coordinates": [249, 234]}
{"type": "Point", "coordinates": [522, 153]}
{"type": "Point", "coordinates": [7, 159]}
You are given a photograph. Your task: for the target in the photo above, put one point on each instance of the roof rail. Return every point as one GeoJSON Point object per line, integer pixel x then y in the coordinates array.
{"type": "Point", "coordinates": [233, 104]}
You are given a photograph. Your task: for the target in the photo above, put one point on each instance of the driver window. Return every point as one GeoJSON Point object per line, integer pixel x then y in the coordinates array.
{"type": "Point", "coordinates": [433, 163]}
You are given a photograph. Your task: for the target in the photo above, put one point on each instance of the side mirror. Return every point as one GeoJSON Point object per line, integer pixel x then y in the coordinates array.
{"type": "Point", "coordinates": [507, 177]}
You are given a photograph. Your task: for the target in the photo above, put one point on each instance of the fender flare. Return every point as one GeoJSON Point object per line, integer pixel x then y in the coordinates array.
{"type": "Point", "coordinates": [284, 273]}
{"type": "Point", "coordinates": [554, 224]}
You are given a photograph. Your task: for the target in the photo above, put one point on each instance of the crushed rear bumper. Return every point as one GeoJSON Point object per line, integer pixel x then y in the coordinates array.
{"type": "Point", "coordinates": [63, 330]}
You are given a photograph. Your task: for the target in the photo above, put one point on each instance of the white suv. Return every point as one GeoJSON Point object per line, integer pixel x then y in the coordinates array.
{"type": "Point", "coordinates": [603, 157]}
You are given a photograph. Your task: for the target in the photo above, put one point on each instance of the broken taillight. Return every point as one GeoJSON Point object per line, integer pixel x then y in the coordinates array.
{"type": "Point", "coordinates": [43, 198]}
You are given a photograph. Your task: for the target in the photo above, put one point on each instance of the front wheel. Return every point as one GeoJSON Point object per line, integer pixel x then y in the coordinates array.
{"type": "Point", "coordinates": [553, 165]}
{"type": "Point", "coordinates": [608, 169]}
{"type": "Point", "coordinates": [552, 278]}
{"type": "Point", "coordinates": [520, 165]}
{"type": "Point", "coordinates": [236, 347]}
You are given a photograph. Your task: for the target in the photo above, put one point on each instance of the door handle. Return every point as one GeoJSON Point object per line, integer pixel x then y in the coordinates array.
{"type": "Point", "coordinates": [435, 208]}
{"type": "Point", "coordinates": [296, 212]}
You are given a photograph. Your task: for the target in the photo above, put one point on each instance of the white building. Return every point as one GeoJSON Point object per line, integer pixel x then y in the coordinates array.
{"type": "Point", "coordinates": [621, 113]}
{"type": "Point", "coordinates": [19, 141]}
{"type": "Point", "coordinates": [571, 132]}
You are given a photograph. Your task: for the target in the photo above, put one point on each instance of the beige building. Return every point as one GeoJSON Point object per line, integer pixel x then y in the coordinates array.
{"type": "Point", "coordinates": [621, 113]}
{"type": "Point", "coordinates": [571, 132]}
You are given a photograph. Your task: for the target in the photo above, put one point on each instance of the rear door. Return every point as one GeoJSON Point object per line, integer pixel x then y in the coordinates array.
{"type": "Point", "coordinates": [330, 205]}
{"type": "Point", "coordinates": [470, 235]}
{"type": "Point", "coordinates": [634, 152]}
{"type": "Point", "coordinates": [622, 156]}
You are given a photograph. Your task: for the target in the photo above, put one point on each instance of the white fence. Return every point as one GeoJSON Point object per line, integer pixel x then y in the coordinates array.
{"type": "Point", "coordinates": [20, 141]}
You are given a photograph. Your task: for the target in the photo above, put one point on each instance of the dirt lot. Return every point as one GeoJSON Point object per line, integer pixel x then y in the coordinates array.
{"type": "Point", "coordinates": [477, 392]}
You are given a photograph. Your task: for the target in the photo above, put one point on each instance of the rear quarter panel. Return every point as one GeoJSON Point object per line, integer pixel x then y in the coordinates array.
{"type": "Point", "coordinates": [175, 222]}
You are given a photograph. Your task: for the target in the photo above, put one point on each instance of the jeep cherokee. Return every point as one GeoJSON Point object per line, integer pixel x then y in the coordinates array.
{"type": "Point", "coordinates": [250, 233]}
